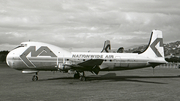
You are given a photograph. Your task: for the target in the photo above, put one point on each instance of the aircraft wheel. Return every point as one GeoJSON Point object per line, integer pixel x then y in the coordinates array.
{"type": "Point", "coordinates": [83, 78]}
{"type": "Point", "coordinates": [34, 78]}
{"type": "Point", "coordinates": [76, 76]}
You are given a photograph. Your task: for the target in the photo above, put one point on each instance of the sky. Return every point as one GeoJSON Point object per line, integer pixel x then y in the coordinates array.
{"type": "Point", "coordinates": [84, 25]}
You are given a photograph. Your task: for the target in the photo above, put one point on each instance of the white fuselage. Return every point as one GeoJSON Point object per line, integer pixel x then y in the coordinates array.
{"type": "Point", "coordinates": [111, 61]}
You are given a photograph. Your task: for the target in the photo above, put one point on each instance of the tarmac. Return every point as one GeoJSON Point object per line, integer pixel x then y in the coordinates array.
{"type": "Point", "coordinates": [133, 85]}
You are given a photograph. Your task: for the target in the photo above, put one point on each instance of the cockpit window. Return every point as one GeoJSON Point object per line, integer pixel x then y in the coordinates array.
{"type": "Point", "coordinates": [22, 45]}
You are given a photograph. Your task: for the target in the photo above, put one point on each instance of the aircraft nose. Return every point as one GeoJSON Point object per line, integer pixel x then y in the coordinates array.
{"type": "Point", "coordinates": [9, 59]}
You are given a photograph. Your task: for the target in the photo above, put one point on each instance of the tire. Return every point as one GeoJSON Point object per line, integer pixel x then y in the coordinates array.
{"type": "Point", "coordinates": [83, 78]}
{"type": "Point", "coordinates": [76, 76]}
{"type": "Point", "coordinates": [34, 78]}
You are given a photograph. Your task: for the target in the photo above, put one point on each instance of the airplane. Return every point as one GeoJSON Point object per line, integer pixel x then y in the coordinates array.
{"type": "Point", "coordinates": [33, 57]}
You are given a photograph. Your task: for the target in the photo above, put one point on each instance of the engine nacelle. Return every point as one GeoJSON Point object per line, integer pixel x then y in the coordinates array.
{"type": "Point", "coordinates": [63, 67]}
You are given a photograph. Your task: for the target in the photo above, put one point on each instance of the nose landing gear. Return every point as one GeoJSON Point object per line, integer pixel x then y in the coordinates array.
{"type": "Point", "coordinates": [35, 77]}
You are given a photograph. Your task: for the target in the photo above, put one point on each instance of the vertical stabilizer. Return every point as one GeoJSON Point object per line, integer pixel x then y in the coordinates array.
{"type": "Point", "coordinates": [107, 46]}
{"type": "Point", "coordinates": [155, 47]}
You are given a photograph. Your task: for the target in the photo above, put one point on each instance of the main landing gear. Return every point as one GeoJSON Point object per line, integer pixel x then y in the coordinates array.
{"type": "Point", "coordinates": [80, 75]}
{"type": "Point", "coordinates": [77, 75]}
{"type": "Point", "coordinates": [35, 77]}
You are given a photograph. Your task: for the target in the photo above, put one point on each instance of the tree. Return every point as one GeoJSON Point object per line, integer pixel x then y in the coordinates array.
{"type": "Point", "coordinates": [3, 55]}
{"type": "Point", "coordinates": [173, 59]}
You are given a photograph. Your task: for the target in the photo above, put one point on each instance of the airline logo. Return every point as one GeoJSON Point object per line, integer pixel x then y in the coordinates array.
{"type": "Point", "coordinates": [42, 51]}
{"type": "Point", "coordinates": [153, 46]}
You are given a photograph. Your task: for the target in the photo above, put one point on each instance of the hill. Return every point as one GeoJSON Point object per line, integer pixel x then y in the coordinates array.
{"type": "Point", "coordinates": [172, 49]}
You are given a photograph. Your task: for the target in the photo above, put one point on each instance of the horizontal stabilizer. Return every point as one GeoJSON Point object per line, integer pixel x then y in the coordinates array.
{"type": "Point", "coordinates": [157, 62]}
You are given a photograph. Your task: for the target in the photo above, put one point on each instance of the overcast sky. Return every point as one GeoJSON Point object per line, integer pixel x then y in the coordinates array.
{"type": "Point", "coordinates": [83, 25]}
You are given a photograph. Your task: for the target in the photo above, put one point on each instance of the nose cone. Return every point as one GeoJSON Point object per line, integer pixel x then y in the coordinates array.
{"type": "Point", "coordinates": [9, 59]}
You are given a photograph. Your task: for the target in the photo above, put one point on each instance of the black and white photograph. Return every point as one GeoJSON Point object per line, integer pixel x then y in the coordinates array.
{"type": "Point", "coordinates": [89, 50]}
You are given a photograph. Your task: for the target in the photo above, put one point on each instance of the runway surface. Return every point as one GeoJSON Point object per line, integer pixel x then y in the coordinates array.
{"type": "Point", "coordinates": [133, 85]}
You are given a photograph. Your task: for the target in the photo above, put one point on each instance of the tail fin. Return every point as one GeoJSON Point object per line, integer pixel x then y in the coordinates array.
{"type": "Point", "coordinates": [107, 46]}
{"type": "Point", "coordinates": [155, 47]}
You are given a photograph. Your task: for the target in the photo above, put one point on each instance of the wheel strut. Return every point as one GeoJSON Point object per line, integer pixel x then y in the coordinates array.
{"type": "Point", "coordinates": [82, 76]}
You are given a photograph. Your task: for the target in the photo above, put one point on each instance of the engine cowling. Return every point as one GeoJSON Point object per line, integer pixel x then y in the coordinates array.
{"type": "Point", "coordinates": [63, 67]}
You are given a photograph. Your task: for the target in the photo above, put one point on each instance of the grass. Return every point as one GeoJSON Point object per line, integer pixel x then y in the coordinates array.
{"type": "Point", "coordinates": [136, 85]}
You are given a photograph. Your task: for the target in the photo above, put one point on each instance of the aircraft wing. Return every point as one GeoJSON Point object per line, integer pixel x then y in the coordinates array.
{"type": "Point", "coordinates": [89, 65]}
{"type": "Point", "coordinates": [91, 62]}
